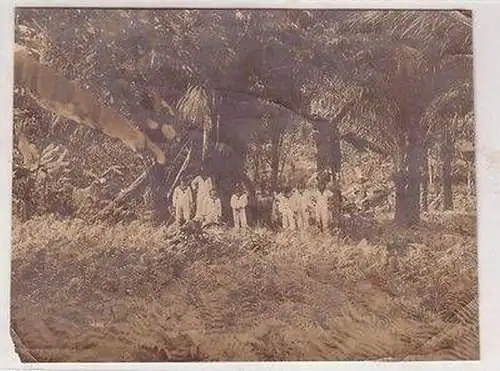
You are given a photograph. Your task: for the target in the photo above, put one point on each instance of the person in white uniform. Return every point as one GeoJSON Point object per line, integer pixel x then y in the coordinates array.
{"type": "Point", "coordinates": [322, 212]}
{"type": "Point", "coordinates": [182, 200]}
{"type": "Point", "coordinates": [286, 209]}
{"type": "Point", "coordinates": [239, 202]}
{"type": "Point", "coordinates": [202, 184]}
{"type": "Point", "coordinates": [275, 213]}
{"type": "Point", "coordinates": [360, 198]}
{"type": "Point", "coordinates": [304, 203]}
{"type": "Point", "coordinates": [294, 204]}
{"type": "Point", "coordinates": [214, 209]}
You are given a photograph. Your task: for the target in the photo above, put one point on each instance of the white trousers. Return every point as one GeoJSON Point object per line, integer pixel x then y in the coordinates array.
{"type": "Point", "coordinates": [240, 218]}
{"type": "Point", "coordinates": [201, 205]}
{"type": "Point", "coordinates": [323, 217]}
{"type": "Point", "coordinates": [182, 213]}
{"type": "Point", "coordinates": [302, 219]}
{"type": "Point", "coordinates": [288, 220]}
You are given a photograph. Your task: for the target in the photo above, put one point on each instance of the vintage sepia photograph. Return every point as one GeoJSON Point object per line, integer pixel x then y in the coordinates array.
{"type": "Point", "coordinates": [198, 185]}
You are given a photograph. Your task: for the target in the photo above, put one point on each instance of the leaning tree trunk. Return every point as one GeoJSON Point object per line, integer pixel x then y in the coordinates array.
{"type": "Point", "coordinates": [446, 158]}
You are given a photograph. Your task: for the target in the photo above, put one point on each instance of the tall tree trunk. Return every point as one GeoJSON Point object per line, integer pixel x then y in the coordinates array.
{"type": "Point", "coordinates": [227, 168]}
{"type": "Point", "coordinates": [277, 132]}
{"type": "Point", "coordinates": [205, 145]}
{"type": "Point", "coordinates": [408, 176]}
{"type": "Point", "coordinates": [430, 174]}
{"type": "Point", "coordinates": [328, 160]}
{"type": "Point", "coordinates": [217, 129]}
{"type": "Point", "coordinates": [157, 180]}
{"type": "Point", "coordinates": [425, 181]}
{"type": "Point", "coordinates": [407, 183]}
{"type": "Point", "coordinates": [470, 181]}
{"type": "Point", "coordinates": [251, 210]}
{"type": "Point", "coordinates": [414, 180]}
{"type": "Point", "coordinates": [446, 158]}
{"type": "Point", "coordinates": [324, 148]}
{"type": "Point", "coordinates": [336, 161]}
{"type": "Point", "coordinates": [207, 134]}
{"type": "Point", "coordinates": [400, 185]}
{"type": "Point", "coordinates": [210, 130]}
{"type": "Point", "coordinates": [257, 164]}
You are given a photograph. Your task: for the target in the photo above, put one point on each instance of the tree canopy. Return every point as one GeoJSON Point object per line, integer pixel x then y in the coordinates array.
{"type": "Point", "coordinates": [381, 78]}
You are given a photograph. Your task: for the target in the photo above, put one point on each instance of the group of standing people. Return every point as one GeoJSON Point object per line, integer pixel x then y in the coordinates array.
{"type": "Point", "coordinates": [298, 208]}
{"type": "Point", "coordinates": [207, 207]}
{"type": "Point", "coordinates": [293, 209]}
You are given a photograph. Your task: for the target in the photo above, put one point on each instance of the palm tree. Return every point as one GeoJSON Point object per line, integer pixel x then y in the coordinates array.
{"type": "Point", "coordinates": [441, 122]}
{"type": "Point", "coordinates": [415, 72]}
{"type": "Point", "coordinates": [196, 106]}
{"type": "Point", "coordinates": [389, 57]}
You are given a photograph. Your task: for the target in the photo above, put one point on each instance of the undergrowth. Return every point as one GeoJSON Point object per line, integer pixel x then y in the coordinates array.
{"type": "Point", "coordinates": [133, 292]}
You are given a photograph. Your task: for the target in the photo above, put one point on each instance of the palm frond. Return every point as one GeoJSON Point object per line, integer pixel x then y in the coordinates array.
{"type": "Point", "coordinates": [457, 101]}
{"type": "Point", "coordinates": [53, 158]}
{"type": "Point", "coordinates": [445, 30]}
{"type": "Point", "coordinates": [195, 106]}
{"type": "Point", "coordinates": [367, 114]}
{"type": "Point", "coordinates": [56, 93]}
{"type": "Point", "coordinates": [376, 60]}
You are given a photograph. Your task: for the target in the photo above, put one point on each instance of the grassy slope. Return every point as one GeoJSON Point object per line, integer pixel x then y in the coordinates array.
{"type": "Point", "coordinates": [129, 293]}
